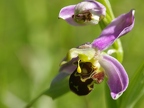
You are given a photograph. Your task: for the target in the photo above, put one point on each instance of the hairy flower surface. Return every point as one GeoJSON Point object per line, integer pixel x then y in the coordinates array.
{"type": "Point", "coordinates": [88, 64]}
{"type": "Point", "coordinates": [83, 13]}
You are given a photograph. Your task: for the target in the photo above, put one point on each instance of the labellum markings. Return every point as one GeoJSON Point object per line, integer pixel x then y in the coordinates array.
{"type": "Point", "coordinates": [83, 83]}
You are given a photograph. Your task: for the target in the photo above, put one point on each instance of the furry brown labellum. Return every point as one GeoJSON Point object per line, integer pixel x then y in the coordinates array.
{"type": "Point", "coordinates": [83, 83]}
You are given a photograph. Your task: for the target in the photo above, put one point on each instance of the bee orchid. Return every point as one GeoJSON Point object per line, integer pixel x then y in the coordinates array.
{"type": "Point", "coordinates": [88, 64]}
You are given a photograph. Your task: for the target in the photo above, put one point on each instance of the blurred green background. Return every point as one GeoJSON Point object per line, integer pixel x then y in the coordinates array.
{"type": "Point", "coordinates": [33, 41]}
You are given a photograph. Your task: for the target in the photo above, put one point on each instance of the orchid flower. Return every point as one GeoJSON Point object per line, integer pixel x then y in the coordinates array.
{"type": "Point", "coordinates": [83, 13]}
{"type": "Point", "coordinates": [88, 64]}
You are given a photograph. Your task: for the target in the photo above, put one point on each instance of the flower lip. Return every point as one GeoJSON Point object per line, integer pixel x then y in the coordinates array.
{"type": "Point", "coordinates": [79, 87]}
{"type": "Point", "coordinates": [82, 83]}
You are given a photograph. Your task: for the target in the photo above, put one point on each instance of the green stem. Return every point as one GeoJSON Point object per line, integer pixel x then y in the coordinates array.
{"type": "Point", "coordinates": [118, 46]}
{"type": "Point", "coordinates": [109, 12]}
{"type": "Point", "coordinates": [29, 105]}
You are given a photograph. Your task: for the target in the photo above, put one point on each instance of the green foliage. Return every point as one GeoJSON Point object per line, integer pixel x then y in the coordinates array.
{"type": "Point", "coordinates": [135, 90]}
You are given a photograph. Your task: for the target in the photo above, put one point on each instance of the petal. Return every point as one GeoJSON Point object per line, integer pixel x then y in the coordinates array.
{"type": "Point", "coordinates": [68, 67]}
{"type": "Point", "coordinates": [91, 5]}
{"type": "Point", "coordinates": [66, 13]}
{"type": "Point", "coordinates": [58, 78]}
{"type": "Point", "coordinates": [118, 27]}
{"type": "Point", "coordinates": [65, 70]}
{"type": "Point", "coordinates": [117, 77]}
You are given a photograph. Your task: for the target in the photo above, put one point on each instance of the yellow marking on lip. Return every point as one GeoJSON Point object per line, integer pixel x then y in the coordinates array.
{"type": "Point", "coordinates": [79, 68]}
{"type": "Point", "coordinates": [89, 86]}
